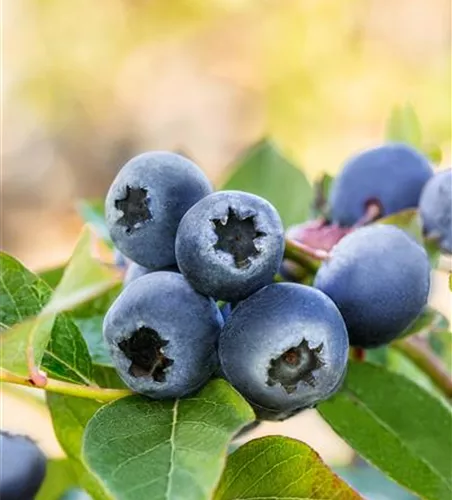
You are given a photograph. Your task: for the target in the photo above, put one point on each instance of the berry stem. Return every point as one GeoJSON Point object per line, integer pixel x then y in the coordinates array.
{"type": "Point", "coordinates": [307, 257]}
{"type": "Point", "coordinates": [415, 350]}
{"type": "Point", "coordinates": [59, 387]}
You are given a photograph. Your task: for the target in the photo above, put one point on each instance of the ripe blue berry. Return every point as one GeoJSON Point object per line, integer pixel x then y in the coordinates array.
{"type": "Point", "coordinates": [379, 278]}
{"type": "Point", "coordinates": [146, 202]}
{"type": "Point", "coordinates": [230, 244]}
{"type": "Point", "coordinates": [284, 348]}
{"type": "Point", "coordinates": [435, 208]}
{"type": "Point", "coordinates": [162, 335]}
{"type": "Point", "coordinates": [134, 271]}
{"type": "Point", "coordinates": [390, 176]}
{"type": "Point", "coordinates": [23, 467]}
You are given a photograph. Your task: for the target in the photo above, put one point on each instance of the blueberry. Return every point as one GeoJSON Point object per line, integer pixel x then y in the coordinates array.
{"type": "Point", "coordinates": [230, 244]}
{"type": "Point", "coordinates": [162, 335]}
{"type": "Point", "coordinates": [435, 208]}
{"type": "Point", "coordinates": [23, 467]}
{"type": "Point", "coordinates": [226, 310]}
{"type": "Point", "coordinates": [284, 348]}
{"type": "Point", "coordinates": [146, 202]}
{"type": "Point", "coordinates": [120, 260]}
{"type": "Point", "coordinates": [135, 271]}
{"type": "Point", "coordinates": [379, 278]}
{"type": "Point", "coordinates": [390, 176]}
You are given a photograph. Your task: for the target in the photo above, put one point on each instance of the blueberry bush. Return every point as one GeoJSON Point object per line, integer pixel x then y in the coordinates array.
{"type": "Point", "coordinates": [184, 317]}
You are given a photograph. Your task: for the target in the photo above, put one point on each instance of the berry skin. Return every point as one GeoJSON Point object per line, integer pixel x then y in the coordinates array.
{"type": "Point", "coordinates": [120, 260]}
{"type": "Point", "coordinates": [162, 336]}
{"type": "Point", "coordinates": [230, 244]}
{"type": "Point", "coordinates": [435, 208]}
{"type": "Point", "coordinates": [146, 202]}
{"type": "Point", "coordinates": [284, 349]}
{"type": "Point", "coordinates": [23, 467]}
{"type": "Point", "coordinates": [135, 271]}
{"type": "Point", "coordinates": [391, 176]}
{"type": "Point", "coordinates": [379, 278]}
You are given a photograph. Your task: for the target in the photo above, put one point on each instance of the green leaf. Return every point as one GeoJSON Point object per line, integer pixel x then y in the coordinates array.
{"type": "Point", "coordinates": [89, 318]}
{"type": "Point", "coordinates": [70, 416]}
{"type": "Point", "coordinates": [403, 126]}
{"type": "Point", "coordinates": [322, 189]}
{"type": "Point", "coordinates": [66, 356]}
{"type": "Point", "coordinates": [52, 276]}
{"type": "Point", "coordinates": [84, 278]}
{"type": "Point", "coordinates": [396, 426]}
{"type": "Point", "coordinates": [93, 213]}
{"type": "Point", "coordinates": [107, 376]}
{"type": "Point", "coordinates": [24, 344]}
{"type": "Point", "coordinates": [59, 478]}
{"type": "Point", "coordinates": [263, 170]}
{"type": "Point", "coordinates": [23, 294]}
{"type": "Point", "coordinates": [142, 449]}
{"type": "Point", "coordinates": [276, 467]}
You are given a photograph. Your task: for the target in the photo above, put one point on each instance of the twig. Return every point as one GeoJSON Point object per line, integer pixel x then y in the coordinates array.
{"type": "Point", "coordinates": [59, 387]}
{"type": "Point", "coordinates": [304, 256]}
{"type": "Point", "coordinates": [424, 359]}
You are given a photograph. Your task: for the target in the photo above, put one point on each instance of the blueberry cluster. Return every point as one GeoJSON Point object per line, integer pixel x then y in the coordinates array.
{"type": "Point", "coordinates": [199, 297]}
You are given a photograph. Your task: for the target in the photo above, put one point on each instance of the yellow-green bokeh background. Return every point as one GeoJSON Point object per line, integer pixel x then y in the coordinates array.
{"type": "Point", "coordinates": [87, 84]}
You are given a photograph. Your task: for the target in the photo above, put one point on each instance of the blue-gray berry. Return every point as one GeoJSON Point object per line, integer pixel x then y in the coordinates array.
{"type": "Point", "coordinates": [379, 278]}
{"type": "Point", "coordinates": [435, 208]}
{"type": "Point", "coordinates": [230, 244]}
{"type": "Point", "coordinates": [391, 176]}
{"type": "Point", "coordinates": [284, 348]}
{"type": "Point", "coordinates": [162, 335]}
{"type": "Point", "coordinates": [146, 202]}
{"type": "Point", "coordinates": [22, 467]}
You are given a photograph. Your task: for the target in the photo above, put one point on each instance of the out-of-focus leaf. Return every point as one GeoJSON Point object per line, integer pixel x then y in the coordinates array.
{"type": "Point", "coordinates": [264, 171]}
{"type": "Point", "coordinates": [396, 426]}
{"type": "Point", "coordinates": [52, 276]}
{"type": "Point", "coordinates": [441, 343]}
{"type": "Point", "coordinates": [142, 449]}
{"type": "Point", "coordinates": [403, 126]}
{"type": "Point", "coordinates": [279, 468]}
{"type": "Point", "coordinates": [59, 479]}
{"type": "Point", "coordinates": [93, 213]}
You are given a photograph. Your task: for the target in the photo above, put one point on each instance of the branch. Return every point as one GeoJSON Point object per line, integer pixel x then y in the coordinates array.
{"type": "Point", "coordinates": [304, 256]}
{"type": "Point", "coordinates": [59, 387]}
{"type": "Point", "coordinates": [424, 359]}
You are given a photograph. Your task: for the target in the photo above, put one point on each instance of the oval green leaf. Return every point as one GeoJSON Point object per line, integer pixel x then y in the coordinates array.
{"type": "Point", "coordinates": [164, 450]}
{"type": "Point", "coordinates": [397, 426]}
{"type": "Point", "coordinates": [264, 171]}
{"type": "Point", "coordinates": [279, 468]}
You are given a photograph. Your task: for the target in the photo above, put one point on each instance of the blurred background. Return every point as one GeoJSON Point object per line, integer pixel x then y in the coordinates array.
{"type": "Point", "coordinates": [87, 85]}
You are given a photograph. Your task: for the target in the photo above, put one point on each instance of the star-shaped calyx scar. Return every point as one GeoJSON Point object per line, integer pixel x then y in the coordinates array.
{"type": "Point", "coordinates": [237, 236]}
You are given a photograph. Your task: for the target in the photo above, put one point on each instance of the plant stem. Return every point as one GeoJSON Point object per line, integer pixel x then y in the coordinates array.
{"type": "Point", "coordinates": [424, 359]}
{"type": "Point", "coordinates": [59, 387]}
{"type": "Point", "coordinates": [297, 253]}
